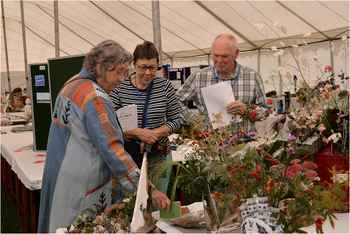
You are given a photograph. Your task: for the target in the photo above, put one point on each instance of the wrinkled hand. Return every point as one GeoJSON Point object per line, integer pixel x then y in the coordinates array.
{"type": "Point", "coordinates": [160, 200]}
{"type": "Point", "coordinates": [148, 136]}
{"type": "Point", "coordinates": [236, 106]}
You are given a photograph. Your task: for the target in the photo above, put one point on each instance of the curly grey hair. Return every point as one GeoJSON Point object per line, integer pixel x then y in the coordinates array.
{"type": "Point", "coordinates": [104, 55]}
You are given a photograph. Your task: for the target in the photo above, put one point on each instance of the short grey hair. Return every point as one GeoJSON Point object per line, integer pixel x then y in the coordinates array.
{"type": "Point", "coordinates": [104, 55]}
{"type": "Point", "coordinates": [232, 39]}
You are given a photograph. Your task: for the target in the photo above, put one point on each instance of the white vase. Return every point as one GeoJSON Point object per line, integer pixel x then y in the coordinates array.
{"type": "Point", "coordinates": [274, 210]}
{"type": "Point", "coordinates": [252, 207]}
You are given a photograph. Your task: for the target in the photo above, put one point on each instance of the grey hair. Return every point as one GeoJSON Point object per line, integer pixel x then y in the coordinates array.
{"type": "Point", "coordinates": [104, 55]}
{"type": "Point", "coordinates": [232, 39]}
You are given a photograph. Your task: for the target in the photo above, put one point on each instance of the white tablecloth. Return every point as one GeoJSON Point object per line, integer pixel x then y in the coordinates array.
{"type": "Point", "coordinates": [22, 163]}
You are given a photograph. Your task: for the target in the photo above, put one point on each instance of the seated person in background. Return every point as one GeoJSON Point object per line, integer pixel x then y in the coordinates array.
{"type": "Point", "coordinates": [157, 108]}
{"type": "Point", "coordinates": [247, 85]}
{"type": "Point", "coordinates": [85, 150]}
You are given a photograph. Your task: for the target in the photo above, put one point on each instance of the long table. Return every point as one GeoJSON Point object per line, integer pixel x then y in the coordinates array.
{"type": "Point", "coordinates": [21, 175]}
{"type": "Point", "coordinates": [341, 225]}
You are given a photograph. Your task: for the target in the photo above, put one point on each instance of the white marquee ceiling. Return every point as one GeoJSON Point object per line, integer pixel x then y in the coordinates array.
{"type": "Point", "coordinates": [187, 27]}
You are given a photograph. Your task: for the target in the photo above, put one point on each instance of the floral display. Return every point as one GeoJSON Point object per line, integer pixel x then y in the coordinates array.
{"type": "Point", "coordinates": [229, 172]}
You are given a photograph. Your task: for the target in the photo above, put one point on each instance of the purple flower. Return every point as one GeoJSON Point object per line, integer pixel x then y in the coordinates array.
{"type": "Point", "coordinates": [292, 138]}
{"type": "Point", "coordinates": [117, 202]}
{"type": "Point", "coordinates": [191, 178]}
{"type": "Point", "coordinates": [234, 138]}
{"type": "Point", "coordinates": [252, 134]}
{"type": "Point", "coordinates": [197, 181]}
{"type": "Point", "coordinates": [295, 78]}
{"type": "Point", "coordinates": [219, 149]}
{"type": "Point", "coordinates": [290, 150]}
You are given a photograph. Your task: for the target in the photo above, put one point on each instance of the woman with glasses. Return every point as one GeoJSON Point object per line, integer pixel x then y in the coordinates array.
{"type": "Point", "coordinates": [85, 155]}
{"type": "Point", "coordinates": [157, 109]}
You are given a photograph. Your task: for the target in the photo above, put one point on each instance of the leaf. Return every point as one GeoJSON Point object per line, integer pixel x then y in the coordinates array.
{"type": "Point", "coordinates": [283, 29]}
{"type": "Point", "coordinates": [307, 34]}
{"type": "Point", "coordinates": [282, 43]}
{"type": "Point", "coordinates": [275, 23]}
{"type": "Point", "coordinates": [289, 76]}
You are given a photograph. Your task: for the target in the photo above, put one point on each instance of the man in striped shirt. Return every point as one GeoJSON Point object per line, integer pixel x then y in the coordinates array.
{"type": "Point", "coordinates": [247, 85]}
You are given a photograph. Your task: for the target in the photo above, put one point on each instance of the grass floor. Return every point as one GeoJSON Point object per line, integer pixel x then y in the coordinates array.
{"type": "Point", "coordinates": [10, 221]}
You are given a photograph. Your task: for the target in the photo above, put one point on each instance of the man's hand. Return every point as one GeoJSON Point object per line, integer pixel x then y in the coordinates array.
{"type": "Point", "coordinates": [160, 200]}
{"type": "Point", "coordinates": [235, 106]}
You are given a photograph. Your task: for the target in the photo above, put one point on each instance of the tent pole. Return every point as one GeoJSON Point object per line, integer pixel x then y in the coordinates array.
{"type": "Point", "coordinates": [281, 84]}
{"type": "Point", "coordinates": [259, 54]}
{"type": "Point", "coordinates": [5, 44]}
{"type": "Point", "coordinates": [25, 48]}
{"type": "Point", "coordinates": [331, 54]}
{"type": "Point", "coordinates": [57, 39]}
{"type": "Point", "coordinates": [156, 30]}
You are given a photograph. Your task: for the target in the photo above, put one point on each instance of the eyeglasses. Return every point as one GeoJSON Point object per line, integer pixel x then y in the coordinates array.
{"type": "Point", "coordinates": [144, 68]}
{"type": "Point", "coordinates": [125, 74]}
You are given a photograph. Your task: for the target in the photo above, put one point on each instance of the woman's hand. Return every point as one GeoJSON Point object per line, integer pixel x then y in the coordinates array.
{"type": "Point", "coordinates": [148, 136]}
{"type": "Point", "coordinates": [143, 145]}
{"type": "Point", "coordinates": [160, 200]}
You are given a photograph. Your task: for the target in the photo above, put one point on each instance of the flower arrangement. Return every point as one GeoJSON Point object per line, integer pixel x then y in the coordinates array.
{"type": "Point", "coordinates": [112, 219]}
{"type": "Point", "coordinates": [324, 106]}
{"type": "Point", "coordinates": [225, 169]}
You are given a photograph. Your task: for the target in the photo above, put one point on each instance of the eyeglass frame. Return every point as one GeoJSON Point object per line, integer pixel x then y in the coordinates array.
{"type": "Point", "coordinates": [146, 68]}
{"type": "Point", "coordinates": [120, 74]}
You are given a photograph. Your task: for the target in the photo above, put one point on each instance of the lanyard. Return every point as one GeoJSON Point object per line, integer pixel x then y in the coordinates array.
{"type": "Point", "coordinates": [138, 94]}
{"type": "Point", "coordinates": [235, 79]}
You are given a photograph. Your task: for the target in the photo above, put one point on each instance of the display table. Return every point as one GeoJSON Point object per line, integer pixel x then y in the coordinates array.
{"type": "Point", "coordinates": [340, 226]}
{"type": "Point", "coordinates": [22, 171]}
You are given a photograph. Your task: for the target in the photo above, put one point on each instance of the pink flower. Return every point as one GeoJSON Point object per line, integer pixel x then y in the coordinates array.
{"type": "Point", "coordinates": [295, 161]}
{"type": "Point", "coordinates": [328, 68]}
{"type": "Point", "coordinates": [308, 164]}
{"type": "Point", "coordinates": [316, 114]}
{"type": "Point", "coordinates": [321, 127]}
{"type": "Point", "coordinates": [110, 208]}
{"type": "Point", "coordinates": [325, 140]}
{"type": "Point", "coordinates": [312, 126]}
{"type": "Point", "coordinates": [311, 174]}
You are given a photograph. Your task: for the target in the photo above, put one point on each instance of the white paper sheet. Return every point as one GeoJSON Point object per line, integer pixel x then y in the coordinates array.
{"type": "Point", "coordinates": [127, 117]}
{"type": "Point", "coordinates": [216, 98]}
{"type": "Point", "coordinates": [141, 198]}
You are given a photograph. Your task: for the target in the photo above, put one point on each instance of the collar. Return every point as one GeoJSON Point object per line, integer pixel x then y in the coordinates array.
{"type": "Point", "coordinates": [232, 76]}
{"type": "Point", "coordinates": [84, 73]}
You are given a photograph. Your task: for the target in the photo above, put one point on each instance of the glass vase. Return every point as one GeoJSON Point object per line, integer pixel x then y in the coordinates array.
{"type": "Point", "coordinates": [220, 217]}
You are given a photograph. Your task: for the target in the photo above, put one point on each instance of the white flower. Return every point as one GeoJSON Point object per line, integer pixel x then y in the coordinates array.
{"type": "Point", "coordinates": [335, 137]}
{"type": "Point", "coordinates": [313, 57]}
{"type": "Point", "coordinates": [274, 48]}
{"type": "Point", "coordinates": [307, 34]}
{"type": "Point", "coordinates": [344, 38]}
{"type": "Point", "coordinates": [276, 23]}
{"type": "Point", "coordinates": [259, 25]}
{"type": "Point", "coordinates": [277, 153]}
{"type": "Point", "coordinates": [282, 43]}
{"type": "Point", "coordinates": [318, 64]}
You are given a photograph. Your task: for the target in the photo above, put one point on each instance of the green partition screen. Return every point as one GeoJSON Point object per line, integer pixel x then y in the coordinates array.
{"type": "Point", "coordinates": [40, 99]}
{"type": "Point", "coordinates": [60, 70]}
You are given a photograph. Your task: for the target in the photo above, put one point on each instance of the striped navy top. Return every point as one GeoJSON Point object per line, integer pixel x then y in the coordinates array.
{"type": "Point", "coordinates": [163, 107]}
